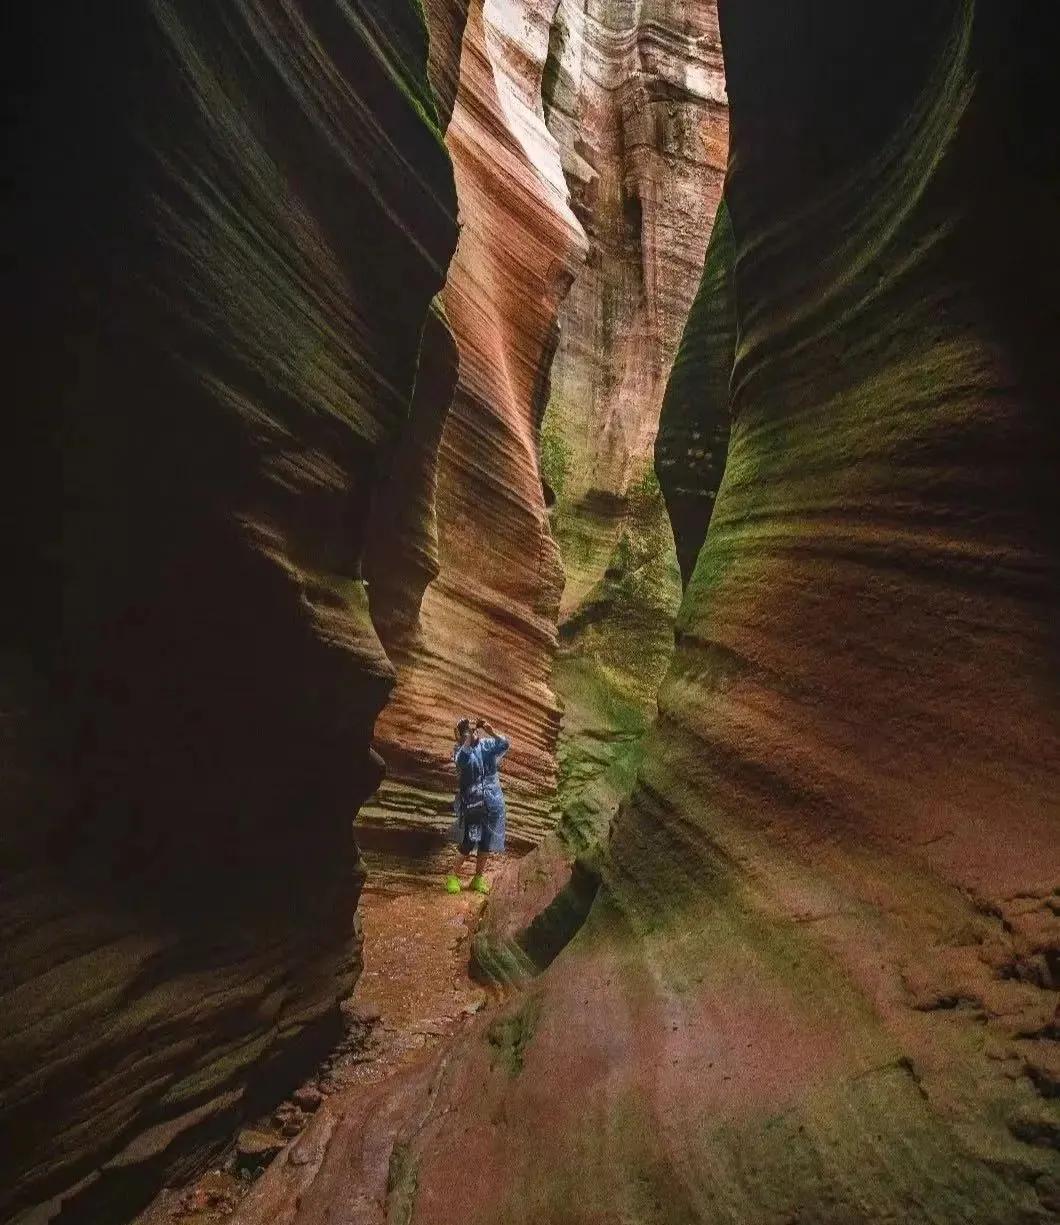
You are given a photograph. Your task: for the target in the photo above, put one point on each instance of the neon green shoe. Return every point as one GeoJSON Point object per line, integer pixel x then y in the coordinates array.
{"type": "Point", "coordinates": [479, 884]}
{"type": "Point", "coordinates": [452, 883]}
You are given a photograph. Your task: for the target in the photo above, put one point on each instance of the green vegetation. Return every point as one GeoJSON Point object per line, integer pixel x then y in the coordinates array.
{"type": "Point", "coordinates": [402, 1182]}
{"type": "Point", "coordinates": [556, 455]}
{"type": "Point", "coordinates": [511, 1034]}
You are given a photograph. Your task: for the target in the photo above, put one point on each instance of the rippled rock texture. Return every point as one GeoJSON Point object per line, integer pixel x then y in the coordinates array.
{"type": "Point", "coordinates": [819, 980]}
{"type": "Point", "coordinates": [211, 367]}
{"type": "Point", "coordinates": [635, 94]}
{"type": "Point", "coordinates": [485, 636]}
{"type": "Point", "coordinates": [636, 98]}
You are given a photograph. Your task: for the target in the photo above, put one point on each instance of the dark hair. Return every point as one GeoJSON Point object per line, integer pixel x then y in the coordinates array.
{"type": "Point", "coordinates": [462, 728]}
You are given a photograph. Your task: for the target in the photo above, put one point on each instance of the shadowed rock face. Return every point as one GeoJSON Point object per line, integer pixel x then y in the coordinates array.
{"type": "Point", "coordinates": [211, 362]}
{"type": "Point", "coordinates": [693, 437]}
{"type": "Point", "coordinates": [819, 978]}
{"type": "Point", "coordinates": [485, 637]}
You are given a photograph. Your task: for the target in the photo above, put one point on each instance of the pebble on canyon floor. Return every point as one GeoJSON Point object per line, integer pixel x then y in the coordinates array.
{"type": "Point", "coordinates": [256, 1148]}
{"type": "Point", "coordinates": [365, 1014]}
{"type": "Point", "coordinates": [308, 1098]}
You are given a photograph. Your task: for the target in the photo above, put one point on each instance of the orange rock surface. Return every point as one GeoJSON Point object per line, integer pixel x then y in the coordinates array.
{"type": "Point", "coordinates": [819, 978]}
{"type": "Point", "coordinates": [486, 635]}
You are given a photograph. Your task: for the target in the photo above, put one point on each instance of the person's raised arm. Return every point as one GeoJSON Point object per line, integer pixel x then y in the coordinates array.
{"type": "Point", "coordinates": [498, 744]}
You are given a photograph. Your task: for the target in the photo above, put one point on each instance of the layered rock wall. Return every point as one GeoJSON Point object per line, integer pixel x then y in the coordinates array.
{"type": "Point", "coordinates": [211, 365]}
{"type": "Point", "coordinates": [485, 636]}
{"type": "Point", "coordinates": [636, 98]}
{"type": "Point", "coordinates": [819, 980]}
{"type": "Point", "coordinates": [635, 95]}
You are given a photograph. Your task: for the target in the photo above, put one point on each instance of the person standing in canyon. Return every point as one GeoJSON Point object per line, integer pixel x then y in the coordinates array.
{"type": "Point", "coordinates": [480, 813]}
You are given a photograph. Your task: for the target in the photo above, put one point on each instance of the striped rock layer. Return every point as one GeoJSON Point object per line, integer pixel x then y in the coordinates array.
{"type": "Point", "coordinates": [636, 97]}
{"type": "Point", "coordinates": [634, 100]}
{"type": "Point", "coordinates": [210, 367]}
{"type": "Point", "coordinates": [483, 638]}
{"type": "Point", "coordinates": [635, 93]}
{"type": "Point", "coordinates": [819, 977]}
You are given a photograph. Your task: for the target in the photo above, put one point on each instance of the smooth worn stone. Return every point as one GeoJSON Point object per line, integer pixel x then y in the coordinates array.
{"type": "Point", "coordinates": [216, 204]}
{"type": "Point", "coordinates": [256, 1148]}
{"type": "Point", "coordinates": [308, 1098]}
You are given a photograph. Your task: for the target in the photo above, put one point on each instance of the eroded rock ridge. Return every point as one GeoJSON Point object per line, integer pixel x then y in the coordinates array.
{"type": "Point", "coordinates": [214, 207]}
{"type": "Point", "coordinates": [819, 977]}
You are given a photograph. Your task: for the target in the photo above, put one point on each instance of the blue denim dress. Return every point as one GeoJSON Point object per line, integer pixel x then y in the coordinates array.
{"type": "Point", "coordinates": [481, 761]}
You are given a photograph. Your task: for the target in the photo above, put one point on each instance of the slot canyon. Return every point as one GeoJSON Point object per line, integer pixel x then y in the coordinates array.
{"type": "Point", "coordinates": [674, 383]}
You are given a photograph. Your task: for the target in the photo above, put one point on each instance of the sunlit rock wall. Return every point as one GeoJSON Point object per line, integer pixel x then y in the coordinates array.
{"type": "Point", "coordinates": [210, 366]}
{"type": "Point", "coordinates": [486, 632]}
{"type": "Point", "coordinates": [819, 980]}
{"type": "Point", "coordinates": [636, 97]}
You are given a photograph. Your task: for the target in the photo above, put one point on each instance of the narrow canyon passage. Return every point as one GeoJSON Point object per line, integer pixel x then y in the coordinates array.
{"type": "Point", "coordinates": [670, 382]}
{"type": "Point", "coordinates": [414, 993]}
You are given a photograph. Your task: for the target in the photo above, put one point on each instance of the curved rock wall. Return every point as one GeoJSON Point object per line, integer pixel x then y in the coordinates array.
{"type": "Point", "coordinates": [215, 204]}
{"type": "Point", "coordinates": [820, 976]}
{"type": "Point", "coordinates": [636, 141]}
{"type": "Point", "coordinates": [819, 980]}
{"type": "Point", "coordinates": [637, 101]}
{"type": "Point", "coordinates": [486, 635]}
{"type": "Point", "coordinates": [635, 95]}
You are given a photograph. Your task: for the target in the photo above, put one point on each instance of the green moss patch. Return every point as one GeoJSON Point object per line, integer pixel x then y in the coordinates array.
{"type": "Point", "coordinates": [510, 1035]}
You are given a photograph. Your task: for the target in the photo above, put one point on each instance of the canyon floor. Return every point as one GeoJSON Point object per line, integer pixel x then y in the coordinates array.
{"type": "Point", "coordinates": [415, 991]}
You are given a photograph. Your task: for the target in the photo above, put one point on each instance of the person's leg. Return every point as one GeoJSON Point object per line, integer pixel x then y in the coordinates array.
{"type": "Point", "coordinates": [478, 881]}
{"type": "Point", "coordinates": [452, 881]}
{"type": "Point", "coordinates": [492, 841]}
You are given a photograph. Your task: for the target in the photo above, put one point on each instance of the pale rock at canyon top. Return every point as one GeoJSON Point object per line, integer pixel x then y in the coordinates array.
{"type": "Point", "coordinates": [636, 97]}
